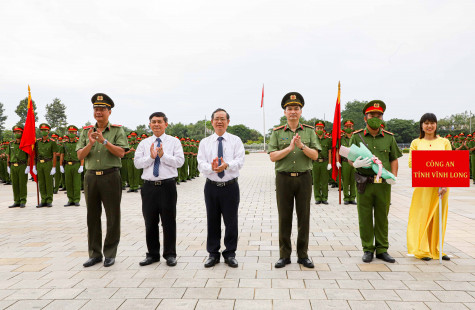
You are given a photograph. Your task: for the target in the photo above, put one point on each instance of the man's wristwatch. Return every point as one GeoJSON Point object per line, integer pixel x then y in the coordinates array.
{"type": "Point", "coordinates": [105, 142]}
{"type": "Point", "coordinates": [303, 146]}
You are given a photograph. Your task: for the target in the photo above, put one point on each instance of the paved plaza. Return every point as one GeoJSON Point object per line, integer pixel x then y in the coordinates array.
{"type": "Point", "coordinates": [42, 251]}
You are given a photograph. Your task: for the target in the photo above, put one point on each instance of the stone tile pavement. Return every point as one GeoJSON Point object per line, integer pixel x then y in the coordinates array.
{"type": "Point", "coordinates": [42, 251]}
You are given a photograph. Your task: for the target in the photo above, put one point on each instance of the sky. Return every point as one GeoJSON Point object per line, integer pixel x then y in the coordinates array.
{"type": "Point", "coordinates": [187, 58]}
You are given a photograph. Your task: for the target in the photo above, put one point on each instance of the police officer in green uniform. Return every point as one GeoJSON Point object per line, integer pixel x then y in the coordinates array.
{"type": "Point", "coordinates": [123, 170]}
{"type": "Point", "coordinates": [3, 163]}
{"type": "Point", "coordinates": [188, 158]}
{"type": "Point", "coordinates": [63, 139]}
{"type": "Point", "coordinates": [133, 173]}
{"type": "Point", "coordinates": [71, 167]}
{"type": "Point", "coordinates": [102, 146]}
{"type": "Point", "coordinates": [197, 146]}
{"type": "Point", "coordinates": [18, 168]}
{"type": "Point", "coordinates": [322, 165]}
{"type": "Point", "coordinates": [183, 169]}
{"type": "Point", "coordinates": [57, 175]}
{"type": "Point", "coordinates": [45, 167]}
{"type": "Point", "coordinates": [347, 171]}
{"type": "Point", "coordinates": [293, 147]}
{"type": "Point", "coordinates": [470, 145]}
{"type": "Point", "coordinates": [374, 197]}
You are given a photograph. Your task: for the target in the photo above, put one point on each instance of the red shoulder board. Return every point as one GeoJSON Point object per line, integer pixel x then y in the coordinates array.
{"type": "Point", "coordinates": [307, 126]}
{"type": "Point", "coordinates": [280, 127]}
{"type": "Point", "coordinates": [359, 130]}
{"type": "Point", "coordinates": [87, 127]}
{"type": "Point", "coordinates": [388, 132]}
{"type": "Point", "coordinates": [115, 125]}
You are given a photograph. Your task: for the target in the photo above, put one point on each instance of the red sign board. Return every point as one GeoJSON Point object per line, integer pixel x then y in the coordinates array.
{"type": "Point", "coordinates": [440, 169]}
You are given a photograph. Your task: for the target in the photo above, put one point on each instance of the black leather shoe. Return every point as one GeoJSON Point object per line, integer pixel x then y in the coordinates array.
{"type": "Point", "coordinates": [367, 257]}
{"type": "Point", "coordinates": [109, 261]}
{"type": "Point", "coordinates": [346, 203]}
{"type": "Point", "coordinates": [353, 202]}
{"type": "Point", "coordinates": [15, 205]}
{"type": "Point", "coordinates": [282, 262]}
{"type": "Point", "coordinates": [92, 261]}
{"type": "Point", "coordinates": [318, 202]}
{"type": "Point", "coordinates": [55, 192]}
{"type": "Point", "coordinates": [69, 204]}
{"type": "Point", "coordinates": [231, 262]}
{"type": "Point", "coordinates": [22, 205]}
{"type": "Point", "coordinates": [427, 258]}
{"type": "Point", "coordinates": [306, 262]}
{"type": "Point", "coordinates": [334, 185]}
{"type": "Point", "coordinates": [149, 260]}
{"type": "Point", "coordinates": [445, 257]}
{"type": "Point", "coordinates": [386, 257]}
{"type": "Point", "coordinates": [76, 204]}
{"type": "Point", "coordinates": [211, 261]}
{"type": "Point", "coordinates": [171, 261]}
{"type": "Point", "coordinates": [130, 191]}
{"type": "Point", "coordinates": [325, 202]}
{"type": "Point", "coordinates": [123, 188]}
{"type": "Point", "coordinates": [62, 189]}
{"type": "Point", "coordinates": [41, 205]}
{"type": "Point", "coordinates": [48, 205]}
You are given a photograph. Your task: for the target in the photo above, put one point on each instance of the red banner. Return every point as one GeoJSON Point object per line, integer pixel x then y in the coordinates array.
{"type": "Point", "coordinates": [440, 169]}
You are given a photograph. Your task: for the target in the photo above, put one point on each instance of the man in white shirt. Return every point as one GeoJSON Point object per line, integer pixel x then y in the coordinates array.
{"type": "Point", "coordinates": [220, 157]}
{"type": "Point", "coordinates": [159, 156]}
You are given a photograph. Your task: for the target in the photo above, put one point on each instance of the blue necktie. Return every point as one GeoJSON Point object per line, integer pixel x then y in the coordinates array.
{"type": "Point", "coordinates": [157, 161]}
{"type": "Point", "coordinates": [220, 154]}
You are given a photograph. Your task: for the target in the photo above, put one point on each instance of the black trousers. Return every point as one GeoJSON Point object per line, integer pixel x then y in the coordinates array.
{"type": "Point", "coordinates": [159, 201]}
{"type": "Point", "coordinates": [222, 201]}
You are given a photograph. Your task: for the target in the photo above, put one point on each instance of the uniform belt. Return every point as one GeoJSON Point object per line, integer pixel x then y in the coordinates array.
{"type": "Point", "coordinates": [103, 172]}
{"type": "Point", "coordinates": [372, 179]}
{"type": "Point", "coordinates": [16, 164]}
{"type": "Point", "coordinates": [294, 174]}
{"type": "Point", "coordinates": [44, 160]}
{"type": "Point", "coordinates": [222, 184]}
{"type": "Point", "coordinates": [72, 162]}
{"type": "Point", "coordinates": [321, 160]}
{"type": "Point", "coordinates": [160, 182]}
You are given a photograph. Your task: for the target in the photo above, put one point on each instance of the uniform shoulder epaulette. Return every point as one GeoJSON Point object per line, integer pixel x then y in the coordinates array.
{"type": "Point", "coordinates": [357, 131]}
{"type": "Point", "coordinates": [116, 125]}
{"type": "Point", "coordinates": [385, 131]}
{"type": "Point", "coordinates": [307, 126]}
{"type": "Point", "coordinates": [87, 127]}
{"type": "Point", "coordinates": [280, 127]}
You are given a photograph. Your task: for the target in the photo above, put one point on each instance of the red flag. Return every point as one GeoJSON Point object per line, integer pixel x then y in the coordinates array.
{"type": "Point", "coordinates": [262, 99]}
{"type": "Point", "coordinates": [336, 135]}
{"type": "Point", "coordinates": [28, 138]}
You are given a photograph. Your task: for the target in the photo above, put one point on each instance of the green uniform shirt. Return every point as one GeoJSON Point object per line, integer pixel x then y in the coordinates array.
{"type": "Point", "coordinates": [69, 151]}
{"type": "Point", "coordinates": [296, 160]}
{"type": "Point", "coordinates": [345, 141]}
{"type": "Point", "coordinates": [326, 144]}
{"type": "Point", "coordinates": [470, 144]}
{"type": "Point", "coordinates": [46, 149]}
{"type": "Point", "coordinates": [99, 158]}
{"type": "Point", "coordinates": [132, 145]}
{"type": "Point", "coordinates": [15, 153]}
{"type": "Point", "coordinates": [383, 146]}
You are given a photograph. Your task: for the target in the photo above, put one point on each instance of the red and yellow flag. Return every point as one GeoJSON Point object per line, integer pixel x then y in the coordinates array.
{"type": "Point", "coordinates": [262, 99]}
{"type": "Point", "coordinates": [28, 138]}
{"type": "Point", "coordinates": [336, 135]}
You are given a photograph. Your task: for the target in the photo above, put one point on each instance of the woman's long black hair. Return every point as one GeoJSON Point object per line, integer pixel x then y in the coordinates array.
{"type": "Point", "coordinates": [427, 117]}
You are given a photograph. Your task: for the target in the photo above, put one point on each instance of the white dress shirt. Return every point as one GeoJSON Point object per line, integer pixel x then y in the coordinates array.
{"type": "Point", "coordinates": [172, 158]}
{"type": "Point", "coordinates": [233, 155]}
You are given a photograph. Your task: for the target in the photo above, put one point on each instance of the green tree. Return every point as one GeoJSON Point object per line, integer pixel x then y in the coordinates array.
{"type": "Point", "coordinates": [141, 129]}
{"type": "Point", "coordinates": [404, 130]}
{"type": "Point", "coordinates": [3, 118]}
{"type": "Point", "coordinates": [56, 116]}
{"type": "Point", "coordinates": [354, 110]}
{"type": "Point", "coordinates": [22, 111]}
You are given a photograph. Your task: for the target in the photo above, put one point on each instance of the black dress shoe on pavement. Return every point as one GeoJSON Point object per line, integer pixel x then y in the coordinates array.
{"type": "Point", "coordinates": [149, 260]}
{"type": "Point", "coordinates": [346, 203]}
{"type": "Point", "coordinates": [325, 202]}
{"type": "Point", "coordinates": [41, 205]}
{"type": "Point", "coordinates": [445, 257]}
{"type": "Point", "coordinates": [171, 261]}
{"type": "Point", "coordinates": [318, 202]}
{"type": "Point", "coordinates": [48, 205]}
{"type": "Point", "coordinates": [367, 257]}
{"type": "Point", "coordinates": [211, 261]}
{"type": "Point", "coordinates": [386, 257]}
{"type": "Point", "coordinates": [231, 262]}
{"type": "Point", "coordinates": [353, 202]}
{"type": "Point", "coordinates": [15, 205]}
{"type": "Point", "coordinates": [427, 258]}
{"type": "Point", "coordinates": [306, 262]}
{"type": "Point", "coordinates": [282, 262]}
{"type": "Point", "coordinates": [76, 204]}
{"type": "Point", "coordinates": [69, 204]}
{"type": "Point", "coordinates": [55, 192]}
{"type": "Point", "coordinates": [92, 261]}
{"type": "Point", "coordinates": [109, 261]}
{"type": "Point", "coordinates": [22, 205]}
{"type": "Point", "coordinates": [123, 188]}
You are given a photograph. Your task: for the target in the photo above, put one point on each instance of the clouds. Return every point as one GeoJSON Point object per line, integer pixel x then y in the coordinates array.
{"type": "Point", "coordinates": [188, 57]}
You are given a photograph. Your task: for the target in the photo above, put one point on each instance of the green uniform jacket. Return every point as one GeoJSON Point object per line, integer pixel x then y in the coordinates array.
{"type": "Point", "coordinates": [46, 149]}
{"type": "Point", "coordinates": [99, 158]}
{"type": "Point", "coordinates": [69, 151]}
{"type": "Point", "coordinates": [326, 144]}
{"type": "Point", "coordinates": [296, 160]}
{"type": "Point", "coordinates": [15, 154]}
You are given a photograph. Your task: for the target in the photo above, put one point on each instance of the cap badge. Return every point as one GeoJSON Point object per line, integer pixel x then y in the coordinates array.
{"type": "Point", "coordinates": [376, 105]}
{"type": "Point", "coordinates": [293, 97]}
{"type": "Point", "coordinates": [100, 98]}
